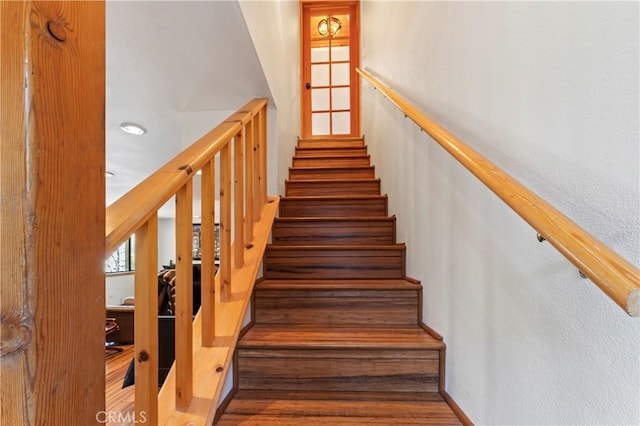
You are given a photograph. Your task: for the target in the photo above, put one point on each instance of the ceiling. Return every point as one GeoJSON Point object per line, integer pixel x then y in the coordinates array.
{"type": "Point", "coordinates": [170, 64]}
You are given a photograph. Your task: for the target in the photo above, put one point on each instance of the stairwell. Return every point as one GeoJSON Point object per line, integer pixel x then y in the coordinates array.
{"type": "Point", "coordinates": [337, 335]}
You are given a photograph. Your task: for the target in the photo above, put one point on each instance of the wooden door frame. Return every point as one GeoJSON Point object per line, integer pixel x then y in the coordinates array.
{"type": "Point", "coordinates": [354, 60]}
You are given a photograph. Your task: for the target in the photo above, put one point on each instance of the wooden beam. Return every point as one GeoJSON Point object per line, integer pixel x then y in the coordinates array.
{"type": "Point", "coordinates": [184, 296]}
{"type": "Point", "coordinates": [52, 78]}
{"type": "Point", "coordinates": [207, 240]}
{"type": "Point", "coordinates": [146, 322]}
{"type": "Point", "coordinates": [263, 155]}
{"type": "Point", "coordinates": [257, 141]}
{"type": "Point", "coordinates": [225, 223]}
{"type": "Point", "coordinates": [249, 181]}
{"type": "Point", "coordinates": [238, 199]}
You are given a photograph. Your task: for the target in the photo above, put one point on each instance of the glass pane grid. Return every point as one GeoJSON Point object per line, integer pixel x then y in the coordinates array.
{"type": "Point", "coordinates": [330, 89]}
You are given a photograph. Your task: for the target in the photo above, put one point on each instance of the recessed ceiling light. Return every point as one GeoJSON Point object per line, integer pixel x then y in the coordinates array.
{"type": "Point", "coordinates": [199, 172]}
{"type": "Point", "coordinates": [108, 174]}
{"type": "Point", "coordinates": [132, 128]}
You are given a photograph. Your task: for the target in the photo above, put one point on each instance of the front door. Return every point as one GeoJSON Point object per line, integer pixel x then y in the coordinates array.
{"type": "Point", "coordinates": [330, 55]}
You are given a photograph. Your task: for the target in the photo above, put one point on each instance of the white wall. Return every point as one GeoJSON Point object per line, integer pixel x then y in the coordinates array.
{"type": "Point", "coordinates": [118, 287]}
{"type": "Point", "coordinates": [275, 30]}
{"type": "Point", "coordinates": [549, 92]}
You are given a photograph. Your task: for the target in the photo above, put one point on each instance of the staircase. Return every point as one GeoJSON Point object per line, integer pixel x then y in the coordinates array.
{"type": "Point", "coordinates": [337, 336]}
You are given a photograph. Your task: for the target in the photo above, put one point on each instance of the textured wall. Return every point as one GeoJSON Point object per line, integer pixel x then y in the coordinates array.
{"type": "Point", "coordinates": [275, 30]}
{"type": "Point", "coordinates": [549, 92]}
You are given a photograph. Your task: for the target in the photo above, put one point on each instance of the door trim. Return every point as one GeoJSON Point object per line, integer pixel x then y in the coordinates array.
{"type": "Point", "coordinates": [354, 60]}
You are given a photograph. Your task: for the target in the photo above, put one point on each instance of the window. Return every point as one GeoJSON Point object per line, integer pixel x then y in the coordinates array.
{"type": "Point", "coordinates": [123, 259]}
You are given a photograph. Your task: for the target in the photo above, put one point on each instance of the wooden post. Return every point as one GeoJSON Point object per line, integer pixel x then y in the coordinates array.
{"type": "Point", "coordinates": [207, 238]}
{"type": "Point", "coordinates": [225, 223]}
{"type": "Point", "coordinates": [249, 191]}
{"type": "Point", "coordinates": [184, 296]}
{"type": "Point", "coordinates": [52, 214]}
{"type": "Point", "coordinates": [257, 199]}
{"type": "Point", "coordinates": [146, 322]}
{"type": "Point", "coordinates": [238, 199]}
{"type": "Point", "coordinates": [263, 156]}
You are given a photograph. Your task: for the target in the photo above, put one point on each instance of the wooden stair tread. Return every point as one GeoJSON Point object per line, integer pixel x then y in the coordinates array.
{"type": "Point", "coordinates": [333, 181]}
{"type": "Point", "coordinates": [335, 218]}
{"type": "Point", "coordinates": [325, 151]}
{"type": "Point", "coordinates": [330, 168]}
{"type": "Point", "coordinates": [309, 336]}
{"type": "Point", "coordinates": [323, 157]}
{"type": "Point", "coordinates": [251, 407]}
{"type": "Point", "coordinates": [339, 185]}
{"type": "Point", "coordinates": [330, 248]}
{"type": "Point", "coordinates": [332, 139]}
{"type": "Point", "coordinates": [333, 197]}
{"type": "Point", "coordinates": [332, 172]}
{"type": "Point", "coordinates": [338, 395]}
{"type": "Point", "coordinates": [282, 284]}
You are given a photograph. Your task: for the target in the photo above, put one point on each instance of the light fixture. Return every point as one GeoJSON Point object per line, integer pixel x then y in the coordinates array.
{"type": "Point", "coordinates": [108, 174]}
{"type": "Point", "coordinates": [132, 128]}
{"type": "Point", "coordinates": [329, 26]}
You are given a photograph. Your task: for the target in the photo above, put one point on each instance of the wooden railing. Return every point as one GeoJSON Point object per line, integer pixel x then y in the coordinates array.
{"type": "Point", "coordinates": [618, 278]}
{"type": "Point", "coordinates": [247, 212]}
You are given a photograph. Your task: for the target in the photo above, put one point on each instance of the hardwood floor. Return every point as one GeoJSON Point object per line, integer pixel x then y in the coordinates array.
{"type": "Point", "coordinates": [119, 404]}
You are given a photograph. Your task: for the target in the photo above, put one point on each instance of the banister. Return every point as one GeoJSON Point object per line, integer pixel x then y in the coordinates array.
{"type": "Point", "coordinates": [193, 386]}
{"type": "Point", "coordinates": [614, 275]}
{"type": "Point", "coordinates": [122, 219]}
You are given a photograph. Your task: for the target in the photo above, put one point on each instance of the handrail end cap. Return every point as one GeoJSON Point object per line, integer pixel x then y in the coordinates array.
{"type": "Point", "coordinates": [633, 303]}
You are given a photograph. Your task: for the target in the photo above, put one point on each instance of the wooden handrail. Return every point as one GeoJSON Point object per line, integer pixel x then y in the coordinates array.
{"type": "Point", "coordinates": [618, 278]}
{"type": "Point", "coordinates": [224, 296]}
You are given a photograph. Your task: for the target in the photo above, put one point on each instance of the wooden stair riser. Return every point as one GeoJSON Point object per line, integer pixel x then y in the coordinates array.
{"type": "Point", "coordinates": [372, 206]}
{"type": "Point", "coordinates": [363, 160]}
{"type": "Point", "coordinates": [332, 187]}
{"type": "Point", "coordinates": [330, 143]}
{"type": "Point", "coordinates": [340, 369]}
{"type": "Point", "coordinates": [385, 262]}
{"type": "Point", "coordinates": [330, 307]}
{"type": "Point", "coordinates": [330, 152]}
{"type": "Point", "coordinates": [331, 173]}
{"type": "Point", "coordinates": [334, 231]}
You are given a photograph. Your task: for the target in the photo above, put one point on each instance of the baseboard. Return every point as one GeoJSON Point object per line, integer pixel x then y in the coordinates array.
{"type": "Point", "coordinates": [431, 332]}
{"type": "Point", "coordinates": [456, 409]}
{"type": "Point", "coordinates": [224, 404]}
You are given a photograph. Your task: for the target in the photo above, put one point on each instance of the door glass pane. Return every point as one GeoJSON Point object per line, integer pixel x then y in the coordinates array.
{"type": "Point", "coordinates": [319, 99]}
{"type": "Point", "coordinates": [339, 53]}
{"type": "Point", "coordinates": [339, 74]}
{"type": "Point", "coordinates": [320, 54]}
{"type": "Point", "coordinates": [320, 75]}
{"type": "Point", "coordinates": [341, 123]}
{"type": "Point", "coordinates": [320, 123]}
{"type": "Point", "coordinates": [340, 98]}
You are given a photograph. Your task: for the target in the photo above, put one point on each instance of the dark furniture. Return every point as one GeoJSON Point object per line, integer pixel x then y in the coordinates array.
{"type": "Point", "coordinates": [167, 331]}
{"type": "Point", "coordinates": [166, 323]}
{"type": "Point", "coordinates": [123, 316]}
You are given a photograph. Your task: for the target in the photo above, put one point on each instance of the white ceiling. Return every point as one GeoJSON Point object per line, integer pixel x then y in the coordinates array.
{"type": "Point", "coordinates": [167, 61]}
